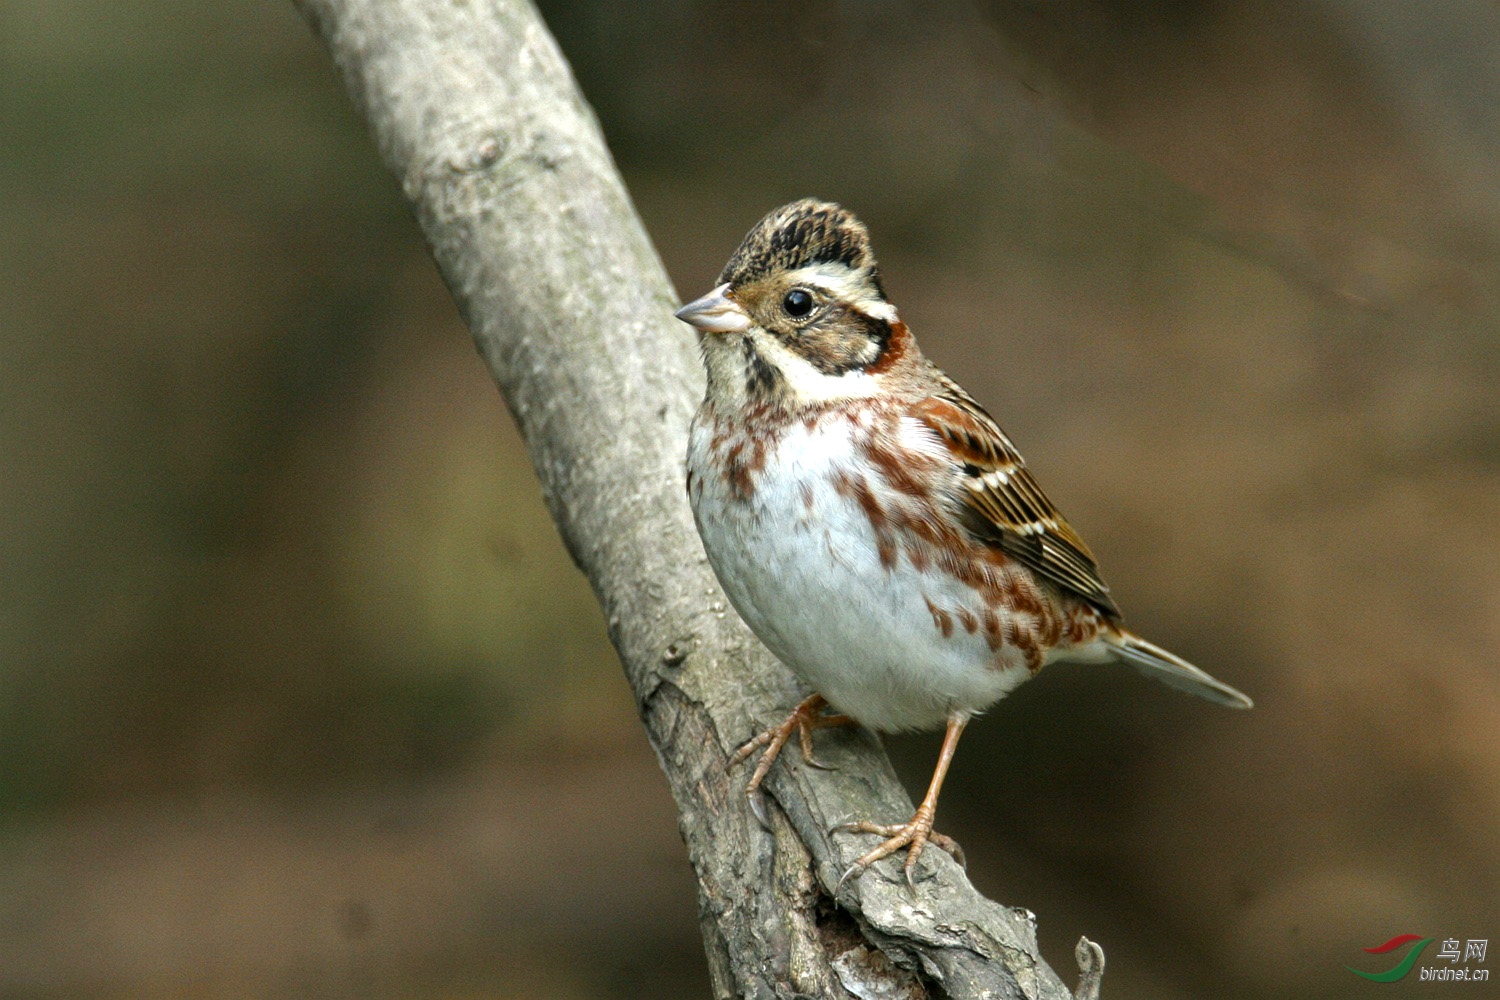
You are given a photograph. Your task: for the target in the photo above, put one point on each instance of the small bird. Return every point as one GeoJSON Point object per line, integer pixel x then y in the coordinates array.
{"type": "Point", "coordinates": [871, 523]}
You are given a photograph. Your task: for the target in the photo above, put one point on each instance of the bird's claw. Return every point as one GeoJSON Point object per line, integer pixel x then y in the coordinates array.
{"type": "Point", "coordinates": [804, 736]}
{"type": "Point", "coordinates": [914, 835]}
{"type": "Point", "coordinates": [803, 720]}
{"type": "Point", "coordinates": [757, 800]}
{"type": "Point", "coordinates": [857, 869]}
{"type": "Point", "coordinates": [853, 871]}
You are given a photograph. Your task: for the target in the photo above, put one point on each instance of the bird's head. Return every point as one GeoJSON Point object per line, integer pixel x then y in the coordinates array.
{"type": "Point", "coordinates": [798, 316]}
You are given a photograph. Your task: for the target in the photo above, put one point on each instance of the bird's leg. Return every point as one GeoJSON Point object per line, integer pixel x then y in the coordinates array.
{"type": "Point", "coordinates": [916, 832]}
{"type": "Point", "coordinates": [804, 719]}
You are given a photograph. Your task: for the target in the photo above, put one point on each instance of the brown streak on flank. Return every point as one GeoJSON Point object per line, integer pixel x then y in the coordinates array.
{"type": "Point", "coordinates": [859, 491]}
{"type": "Point", "coordinates": [1027, 642]}
{"type": "Point", "coordinates": [740, 481]}
{"type": "Point", "coordinates": [737, 473]}
{"type": "Point", "coordinates": [1023, 595]}
{"type": "Point", "coordinates": [758, 455]}
{"type": "Point", "coordinates": [1083, 625]}
{"type": "Point", "coordinates": [929, 531]}
{"type": "Point", "coordinates": [967, 620]}
{"type": "Point", "coordinates": [807, 498]}
{"type": "Point", "coordinates": [994, 635]}
{"type": "Point", "coordinates": [942, 619]}
{"type": "Point", "coordinates": [901, 472]}
{"type": "Point", "coordinates": [924, 542]}
{"type": "Point", "coordinates": [1049, 627]}
{"type": "Point", "coordinates": [979, 567]}
{"type": "Point", "coordinates": [1034, 660]}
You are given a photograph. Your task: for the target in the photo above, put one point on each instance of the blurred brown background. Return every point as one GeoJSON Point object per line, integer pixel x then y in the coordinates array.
{"type": "Point", "coordinates": [299, 695]}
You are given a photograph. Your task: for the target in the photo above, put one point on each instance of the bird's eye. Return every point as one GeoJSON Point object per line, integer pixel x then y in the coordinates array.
{"type": "Point", "coordinates": [798, 303]}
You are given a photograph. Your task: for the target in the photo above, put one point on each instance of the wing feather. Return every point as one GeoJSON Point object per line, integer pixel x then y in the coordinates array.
{"type": "Point", "coordinates": [1002, 503]}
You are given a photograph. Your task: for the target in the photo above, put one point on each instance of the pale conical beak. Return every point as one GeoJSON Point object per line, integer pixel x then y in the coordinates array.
{"type": "Point", "coordinates": [716, 312]}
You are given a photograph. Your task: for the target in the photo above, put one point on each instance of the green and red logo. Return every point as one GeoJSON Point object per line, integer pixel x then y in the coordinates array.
{"type": "Point", "coordinates": [1402, 967]}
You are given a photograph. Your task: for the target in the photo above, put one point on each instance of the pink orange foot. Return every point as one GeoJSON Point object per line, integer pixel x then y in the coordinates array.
{"type": "Point", "coordinates": [804, 719]}
{"type": "Point", "coordinates": [915, 834]}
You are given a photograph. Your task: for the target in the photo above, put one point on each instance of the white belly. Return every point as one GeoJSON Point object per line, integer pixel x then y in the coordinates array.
{"type": "Point", "coordinates": [807, 578]}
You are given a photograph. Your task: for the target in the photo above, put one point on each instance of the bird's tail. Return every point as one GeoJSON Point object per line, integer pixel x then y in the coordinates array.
{"type": "Point", "coordinates": [1171, 670]}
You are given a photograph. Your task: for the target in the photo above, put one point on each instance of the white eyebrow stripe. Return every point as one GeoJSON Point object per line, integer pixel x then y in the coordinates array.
{"type": "Point", "coordinates": [843, 283]}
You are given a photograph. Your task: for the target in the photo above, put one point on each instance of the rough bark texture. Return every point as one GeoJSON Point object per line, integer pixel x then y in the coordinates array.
{"type": "Point", "coordinates": [476, 111]}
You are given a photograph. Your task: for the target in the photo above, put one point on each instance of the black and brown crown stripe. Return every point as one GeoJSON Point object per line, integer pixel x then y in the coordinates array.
{"type": "Point", "coordinates": [805, 233]}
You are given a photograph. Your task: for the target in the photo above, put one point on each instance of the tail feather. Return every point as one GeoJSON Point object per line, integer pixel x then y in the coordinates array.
{"type": "Point", "coordinates": [1173, 670]}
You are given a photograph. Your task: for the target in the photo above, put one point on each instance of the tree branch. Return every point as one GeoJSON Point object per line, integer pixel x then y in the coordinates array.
{"type": "Point", "coordinates": [475, 110]}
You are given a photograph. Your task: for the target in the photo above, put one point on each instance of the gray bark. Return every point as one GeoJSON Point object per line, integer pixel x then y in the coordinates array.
{"type": "Point", "coordinates": [476, 111]}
